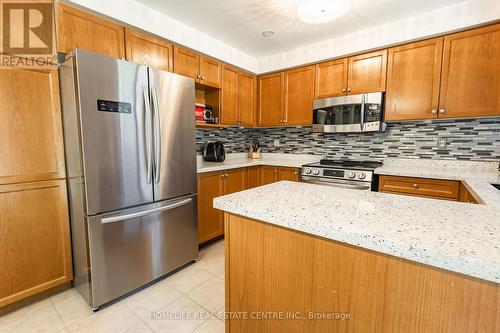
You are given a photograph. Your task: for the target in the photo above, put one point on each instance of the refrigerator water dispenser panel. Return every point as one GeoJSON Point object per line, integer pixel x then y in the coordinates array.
{"type": "Point", "coordinates": [112, 106]}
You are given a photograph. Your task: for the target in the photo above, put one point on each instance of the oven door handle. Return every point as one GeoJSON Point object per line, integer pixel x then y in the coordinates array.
{"type": "Point", "coordinates": [336, 183]}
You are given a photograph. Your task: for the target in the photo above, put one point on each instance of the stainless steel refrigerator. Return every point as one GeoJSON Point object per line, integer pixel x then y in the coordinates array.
{"type": "Point", "coordinates": [129, 134]}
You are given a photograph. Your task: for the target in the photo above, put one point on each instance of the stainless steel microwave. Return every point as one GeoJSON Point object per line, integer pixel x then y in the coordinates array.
{"type": "Point", "coordinates": [349, 114]}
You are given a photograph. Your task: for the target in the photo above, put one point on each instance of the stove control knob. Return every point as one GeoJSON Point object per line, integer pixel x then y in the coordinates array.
{"type": "Point", "coordinates": [308, 171]}
{"type": "Point", "coordinates": [316, 172]}
{"type": "Point", "coordinates": [362, 175]}
{"type": "Point", "coordinates": [351, 175]}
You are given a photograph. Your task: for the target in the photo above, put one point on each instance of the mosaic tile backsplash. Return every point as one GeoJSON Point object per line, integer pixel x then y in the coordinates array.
{"type": "Point", "coordinates": [471, 139]}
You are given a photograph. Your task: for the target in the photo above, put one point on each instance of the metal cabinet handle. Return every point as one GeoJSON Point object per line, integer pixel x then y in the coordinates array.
{"type": "Point", "coordinates": [441, 111]}
{"type": "Point", "coordinates": [434, 112]}
{"type": "Point", "coordinates": [348, 89]}
{"type": "Point", "coordinates": [415, 185]}
{"type": "Point", "coordinates": [343, 90]}
{"type": "Point", "coordinates": [145, 213]}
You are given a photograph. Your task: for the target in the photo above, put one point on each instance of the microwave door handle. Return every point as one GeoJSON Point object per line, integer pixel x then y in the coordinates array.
{"type": "Point", "coordinates": [147, 133]}
{"type": "Point", "coordinates": [362, 124]}
{"type": "Point", "coordinates": [157, 135]}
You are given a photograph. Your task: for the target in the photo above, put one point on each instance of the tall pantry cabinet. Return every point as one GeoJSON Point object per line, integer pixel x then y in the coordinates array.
{"type": "Point", "coordinates": [35, 250]}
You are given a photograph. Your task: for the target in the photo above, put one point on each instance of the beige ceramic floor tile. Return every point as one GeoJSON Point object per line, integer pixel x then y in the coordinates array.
{"type": "Point", "coordinates": [220, 314]}
{"type": "Point", "coordinates": [141, 328]}
{"type": "Point", "coordinates": [43, 320]}
{"type": "Point", "coordinates": [182, 315]}
{"type": "Point", "coordinates": [209, 295]}
{"type": "Point", "coordinates": [211, 326]}
{"type": "Point", "coordinates": [64, 295]}
{"type": "Point", "coordinates": [152, 298]}
{"type": "Point", "coordinates": [116, 318]}
{"type": "Point", "coordinates": [73, 309]}
{"type": "Point", "coordinates": [188, 279]}
{"type": "Point", "coordinates": [212, 262]}
{"type": "Point", "coordinates": [24, 312]}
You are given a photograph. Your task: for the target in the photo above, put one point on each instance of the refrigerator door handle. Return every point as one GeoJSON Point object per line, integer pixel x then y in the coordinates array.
{"type": "Point", "coordinates": [148, 141]}
{"type": "Point", "coordinates": [124, 217]}
{"type": "Point", "coordinates": [157, 130]}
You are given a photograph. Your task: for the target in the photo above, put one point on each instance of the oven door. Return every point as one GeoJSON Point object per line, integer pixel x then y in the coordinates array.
{"type": "Point", "coordinates": [350, 184]}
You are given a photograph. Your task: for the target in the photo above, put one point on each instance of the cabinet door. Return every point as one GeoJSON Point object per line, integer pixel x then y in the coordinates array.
{"type": "Point", "coordinates": [271, 90]}
{"type": "Point", "coordinates": [186, 62]}
{"type": "Point", "coordinates": [148, 50]}
{"type": "Point", "coordinates": [470, 80]}
{"type": "Point", "coordinates": [236, 180]}
{"type": "Point", "coordinates": [77, 29]}
{"type": "Point", "coordinates": [299, 94]}
{"type": "Point", "coordinates": [31, 144]}
{"type": "Point", "coordinates": [210, 220]}
{"type": "Point", "coordinates": [291, 174]}
{"type": "Point", "coordinates": [413, 77]}
{"type": "Point", "coordinates": [253, 176]}
{"type": "Point", "coordinates": [229, 92]}
{"type": "Point", "coordinates": [247, 87]}
{"type": "Point", "coordinates": [210, 72]}
{"type": "Point", "coordinates": [367, 72]}
{"type": "Point", "coordinates": [35, 250]}
{"type": "Point", "coordinates": [331, 79]}
{"type": "Point", "coordinates": [268, 175]}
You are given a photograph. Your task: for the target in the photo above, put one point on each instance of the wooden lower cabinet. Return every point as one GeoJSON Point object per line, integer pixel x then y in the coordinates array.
{"type": "Point", "coordinates": [210, 224]}
{"type": "Point", "coordinates": [422, 187]}
{"type": "Point", "coordinates": [35, 248]}
{"type": "Point", "coordinates": [253, 176]}
{"type": "Point", "coordinates": [465, 195]}
{"type": "Point", "coordinates": [268, 174]}
{"type": "Point", "coordinates": [291, 174]}
{"type": "Point", "coordinates": [270, 268]}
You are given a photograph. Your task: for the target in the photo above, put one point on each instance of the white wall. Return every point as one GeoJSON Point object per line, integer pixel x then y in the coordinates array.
{"type": "Point", "coordinates": [143, 17]}
{"type": "Point", "coordinates": [447, 19]}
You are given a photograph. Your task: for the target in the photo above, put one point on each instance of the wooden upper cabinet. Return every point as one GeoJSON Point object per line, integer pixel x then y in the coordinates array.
{"type": "Point", "coordinates": [271, 104]}
{"type": "Point", "coordinates": [78, 29]}
{"type": "Point", "coordinates": [148, 50]}
{"type": "Point", "coordinates": [367, 72]}
{"type": "Point", "coordinates": [186, 62]}
{"type": "Point", "coordinates": [470, 79]}
{"type": "Point", "coordinates": [229, 115]}
{"type": "Point", "coordinates": [299, 94]}
{"type": "Point", "coordinates": [210, 72]}
{"type": "Point", "coordinates": [331, 79]}
{"type": "Point", "coordinates": [247, 87]}
{"type": "Point", "coordinates": [413, 79]}
{"type": "Point", "coordinates": [31, 143]}
{"type": "Point", "coordinates": [34, 238]}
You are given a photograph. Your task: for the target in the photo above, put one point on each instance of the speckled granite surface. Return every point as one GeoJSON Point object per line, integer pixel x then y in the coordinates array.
{"type": "Point", "coordinates": [459, 237]}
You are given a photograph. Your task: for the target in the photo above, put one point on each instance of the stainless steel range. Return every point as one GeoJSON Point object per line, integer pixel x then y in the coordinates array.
{"type": "Point", "coordinates": [348, 174]}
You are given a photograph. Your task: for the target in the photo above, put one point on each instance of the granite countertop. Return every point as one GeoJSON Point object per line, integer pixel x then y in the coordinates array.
{"type": "Point", "coordinates": [241, 160]}
{"type": "Point", "coordinates": [460, 237]}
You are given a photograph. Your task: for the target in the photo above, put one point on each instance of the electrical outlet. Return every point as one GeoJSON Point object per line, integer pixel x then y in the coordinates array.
{"type": "Point", "coordinates": [442, 143]}
{"type": "Point", "coordinates": [276, 142]}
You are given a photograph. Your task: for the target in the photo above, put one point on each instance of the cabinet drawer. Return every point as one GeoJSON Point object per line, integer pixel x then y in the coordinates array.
{"type": "Point", "coordinates": [434, 188]}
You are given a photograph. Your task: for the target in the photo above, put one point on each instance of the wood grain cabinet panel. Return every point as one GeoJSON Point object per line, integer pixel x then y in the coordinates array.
{"type": "Point", "coordinates": [299, 95]}
{"type": "Point", "coordinates": [331, 78]}
{"type": "Point", "coordinates": [253, 176]}
{"type": "Point", "coordinates": [35, 250]}
{"type": "Point", "coordinates": [465, 195]}
{"type": "Point", "coordinates": [186, 62]}
{"type": "Point", "coordinates": [210, 220]}
{"type": "Point", "coordinates": [470, 79]}
{"type": "Point", "coordinates": [235, 180]}
{"type": "Point", "coordinates": [31, 144]}
{"type": "Point", "coordinates": [367, 72]}
{"type": "Point", "coordinates": [247, 89]}
{"type": "Point", "coordinates": [210, 72]}
{"type": "Point", "coordinates": [291, 174]}
{"type": "Point", "coordinates": [230, 103]}
{"type": "Point", "coordinates": [413, 80]}
{"type": "Point", "coordinates": [271, 101]}
{"type": "Point", "coordinates": [78, 29]}
{"type": "Point", "coordinates": [268, 174]}
{"type": "Point", "coordinates": [432, 188]}
{"type": "Point", "coordinates": [148, 50]}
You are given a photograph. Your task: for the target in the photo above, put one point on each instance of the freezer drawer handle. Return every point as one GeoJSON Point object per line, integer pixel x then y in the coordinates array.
{"type": "Point", "coordinates": [124, 217]}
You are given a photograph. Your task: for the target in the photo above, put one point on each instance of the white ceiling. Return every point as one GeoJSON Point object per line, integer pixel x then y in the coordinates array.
{"type": "Point", "coordinates": [240, 23]}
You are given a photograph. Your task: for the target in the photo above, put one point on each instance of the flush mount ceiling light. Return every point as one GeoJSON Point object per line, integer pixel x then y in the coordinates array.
{"type": "Point", "coordinates": [322, 11]}
{"type": "Point", "coordinates": [268, 33]}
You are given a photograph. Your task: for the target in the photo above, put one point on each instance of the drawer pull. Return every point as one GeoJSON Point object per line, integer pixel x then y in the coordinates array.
{"type": "Point", "coordinates": [415, 185]}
